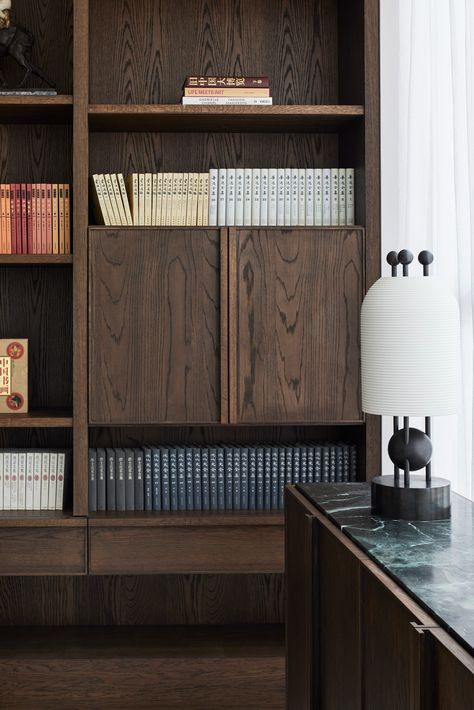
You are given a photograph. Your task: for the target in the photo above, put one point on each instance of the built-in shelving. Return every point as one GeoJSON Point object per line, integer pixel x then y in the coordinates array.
{"type": "Point", "coordinates": [36, 109]}
{"type": "Point", "coordinates": [45, 418]}
{"type": "Point", "coordinates": [35, 259]}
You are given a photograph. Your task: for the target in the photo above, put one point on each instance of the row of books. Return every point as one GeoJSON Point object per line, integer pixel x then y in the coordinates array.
{"type": "Point", "coordinates": [35, 218]}
{"type": "Point", "coordinates": [33, 479]}
{"type": "Point", "coordinates": [211, 478]}
{"type": "Point", "coordinates": [228, 197]}
{"type": "Point", "coordinates": [227, 91]}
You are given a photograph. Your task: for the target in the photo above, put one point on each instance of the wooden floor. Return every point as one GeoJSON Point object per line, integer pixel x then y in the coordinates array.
{"type": "Point", "coordinates": [163, 667]}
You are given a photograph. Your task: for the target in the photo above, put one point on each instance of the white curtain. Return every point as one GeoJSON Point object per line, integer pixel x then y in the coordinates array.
{"type": "Point", "coordinates": [427, 121]}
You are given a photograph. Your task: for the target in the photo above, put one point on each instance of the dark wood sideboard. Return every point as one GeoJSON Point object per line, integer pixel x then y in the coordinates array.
{"type": "Point", "coordinates": [355, 639]}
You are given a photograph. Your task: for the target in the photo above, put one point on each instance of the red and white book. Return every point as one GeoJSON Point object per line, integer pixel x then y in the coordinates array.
{"type": "Point", "coordinates": [29, 480]}
{"type": "Point", "coordinates": [37, 471]}
{"type": "Point", "coordinates": [21, 480]}
{"type": "Point", "coordinates": [53, 471]}
{"type": "Point", "coordinates": [44, 480]}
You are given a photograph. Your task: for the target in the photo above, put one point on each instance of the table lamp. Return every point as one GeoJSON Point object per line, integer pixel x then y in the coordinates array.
{"type": "Point", "coordinates": [410, 357]}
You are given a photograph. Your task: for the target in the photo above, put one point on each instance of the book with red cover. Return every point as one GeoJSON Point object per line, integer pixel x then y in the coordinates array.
{"type": "Point", "coordinates": [15, 224]}
{"type": "Point", "coordinates": [33, 218]}
{"type": "Point", "coordinates": [24, 220]}
{"type": "Point", "coordinates": [61, 219]}
{"type": "Point", "coordinates": [49, 219]}
{"type": "Point", "coordinates": [67, 219]}
{"type": "Point", "coordinates": [29, 216]}
{"type": "Point", "coordinates": [243, 82]}
{"type": "Point", "coordinates": [54, 200]}
{"type": "Point", "coordinates": [8, 241]}
{"type": "Point", "coordinates": [3, 223]}
{"type": "Point", "coordinates": [44, 236]}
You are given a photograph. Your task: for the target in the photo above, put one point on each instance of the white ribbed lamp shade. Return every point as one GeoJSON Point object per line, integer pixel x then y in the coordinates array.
{"type": "Point", "coordinates": [410, 348]}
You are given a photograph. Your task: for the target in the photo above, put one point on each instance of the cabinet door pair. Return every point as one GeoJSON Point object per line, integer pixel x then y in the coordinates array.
{"type": "Point", "coordinates": [206, 326]}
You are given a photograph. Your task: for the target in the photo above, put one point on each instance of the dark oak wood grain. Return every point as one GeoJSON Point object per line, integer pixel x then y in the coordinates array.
{"type": "Point", "coordinates": [35, 153]}
{"type": "Point", "coordinates": [154, 326]}
{"type": "Point", "coordinates": [35, 109]}
{"type": "Point", "coordinates": [295, 307]}
{"type": "Point", "coordinates": [40, 418]}
{"type": "Point", "coordinates": [450, 673]}
{"type": "Point", "coordinates": [43, 549]}
{"type": "Point", "coordinates": [35, 259]}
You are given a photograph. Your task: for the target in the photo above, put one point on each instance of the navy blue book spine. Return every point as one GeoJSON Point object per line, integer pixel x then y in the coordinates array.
{"type": "Point", "coordinates": [120, 478]}
{"type": "Point", "coordinates": [92, 480]}
{"type": "Point", "coordinates": [260, 453]}
{"type": "Point", "coordinates": [353, 463]}
{"type": "Point", "coordinates": [155, 483]}
{"type": "Point", "coordinates": [252, 457]}
{"type": "Point", "coordinates": [339, 465]}
{"type": "Point", "coordinates": [129, 480]}
{"type": "Point", "coordinates": [197, 478]}
{"type": "Point", "coordinates": [110, 455]}
{"type": "Point", "coordinates": [346, 463]}
{"type": "Point", "coordinates": [244, 477]}
{"type": "Point", "coordinates": [310, 471]}
{"type": "Point", "coordinates": [165, 479]}
{"type": "Point", "coordinates": [181, 478]}
{"type": "Point", "coordinates": [229, 478]}
{"type": "Point", "coordinates": [237, 481]}
{"type": "Point", "coordinates": [148, 479]}
{"type": "Point", "coordinates": [325, 464]}
{"type": "Point", "coordinates": [332, 463]}
{"type": "Point", "coordinates": [213, 478]}
{"type": "Point", "coordinates": [101, 480]}
{"type": "Point", "coordinates": [318, 464]}
{"type": "Point", "coordinates": [276, 468]}
{"type": "Point", "coordinates": [282, 463]}
{"type": "Point", "coordinates": [188, 453]}
{"type": "Point", "coordinates": [220, 479]}
{"type": "Point", "coordinates": [303, 464]}
{"type": "Point", "coordinates": [139, 482]}
{"type": "Point", "coordinates": [292, 474]}
{"type": "Point", "coordinates": [205, 473]}
{"type": "Point", "coordinates": [173, 479]}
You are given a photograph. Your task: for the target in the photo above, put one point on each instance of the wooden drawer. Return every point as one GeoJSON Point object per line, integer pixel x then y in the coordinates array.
{"type": "Point", "coordinates": [45, 549]}
{"type": "Point", "coordinates": [191, 547]}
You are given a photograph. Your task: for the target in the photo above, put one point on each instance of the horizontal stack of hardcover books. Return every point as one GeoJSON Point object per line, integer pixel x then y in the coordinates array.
{"type": "Point", "coordinates": [33, 479]}
{"type": "Point", "coordinates": [35, 218]}
{"type": "Point", "coordinates": [219, 477]}
{"type": "Point", "coordinates": [227, 91]}
{"type": "Point", "coordinates": [253, 197]}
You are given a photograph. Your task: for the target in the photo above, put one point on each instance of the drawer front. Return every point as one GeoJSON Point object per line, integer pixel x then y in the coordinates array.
{"type": "Point", "coordinates": [42, 551]}
{"type": "Point", "coordinates": [154, 550]}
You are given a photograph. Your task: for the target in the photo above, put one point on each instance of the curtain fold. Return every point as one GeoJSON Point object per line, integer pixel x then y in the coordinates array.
{"type": "Point", "coordinates": [427, 148]}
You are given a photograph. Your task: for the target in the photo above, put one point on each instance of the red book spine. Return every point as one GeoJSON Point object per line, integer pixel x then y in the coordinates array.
{"type": "Point", "coordinates": [24, 220]}
{"type": "Point", "coordinates": [33, 219]}
{"type": "Point", "coordinates": [49, 220]}
{"type": "Point", "coordinates": [13, 216]}
{"type": "Point", "coordinates": [29, 216]}
{"type": "Point", "coordinates": [43, 220]}
{"type": "Point", "coordinates": [18, 217]}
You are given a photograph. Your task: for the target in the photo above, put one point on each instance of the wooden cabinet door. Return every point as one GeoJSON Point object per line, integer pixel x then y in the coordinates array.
{"type": "Point", "coordinates": [294, 305]}
{"type": "Point", "coordinates": [154, 327]}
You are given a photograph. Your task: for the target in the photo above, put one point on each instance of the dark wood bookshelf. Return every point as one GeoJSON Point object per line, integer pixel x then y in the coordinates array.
{"type": "Point", "coordinates": [108, 369]}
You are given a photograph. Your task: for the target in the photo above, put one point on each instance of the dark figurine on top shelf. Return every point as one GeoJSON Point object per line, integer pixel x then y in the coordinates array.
{"type": "Point", "coordinates": [17, 42]}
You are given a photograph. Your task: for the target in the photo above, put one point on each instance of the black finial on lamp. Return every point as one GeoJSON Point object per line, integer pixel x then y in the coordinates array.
{"type": "Point", "coordinates": [425, 258]}
{"type": "Point", "coordinates": [405, 257]}
{"type": "Point", "coordinates": [392, 259]}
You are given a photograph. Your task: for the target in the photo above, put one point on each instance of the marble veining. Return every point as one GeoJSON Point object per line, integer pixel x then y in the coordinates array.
{"type": "Point", "coordinates": [433, 561]}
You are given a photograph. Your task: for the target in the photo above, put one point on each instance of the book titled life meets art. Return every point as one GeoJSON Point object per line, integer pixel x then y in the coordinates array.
{"type": "Point", "coordinates": [13, 376]}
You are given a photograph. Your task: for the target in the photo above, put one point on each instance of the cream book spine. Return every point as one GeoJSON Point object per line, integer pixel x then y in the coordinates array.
{"type": "Point", "coordinates": [334, 197]}
{"type": "Point", "coordinates": [294, 196]}
{"type": "Point", "coordinates": [239, 197]}
{"type": "Point", "coordinates": [281, 197]}
{"type": "Point", "coordinates": [53, 475]}
{"type": "Point", "coordinates": [287, 197]}
{"type": "Point", "coordinates": [60, 481]}
{"type": "Point", "coordinates": [99, 201]}
{"type": "Point", "coordinates": [272, 196]}
{"type": "Point", "coordinates": [1, 481]}
{"type": "Point", "coordinates": [141, 199]}
{"type": "Point", "coordinates": [30, 457]}
{"type": "Point", "coordinates": [159, 198]}
{"type": "Point", "coordinates": [125, 200]}
{"type": "Point", "coordinates": [154, 197]}
{"type": "Point", "coordinates": [263, 197]}
{"type": "Point", "coordinates": [350, 197]}
{"type": "Point", "coordinates": [326, 197]}
{"type": "Point", "coordinates": [112, 199]}
{"type": "Point", "coordinates": [205, 200]}
{"type": "Point", "coordinates": [213, 195]}
{"type": "Point", "coordinates": [37, 480]}
{"type": "Point", "coordinates": [256, 196]}
{"type": "Point", "coordinates": [44, 480]}
{"type": "Point", "coordinates": [22, 480]}
{"type": "Point", "coordinates": [179, 201]}
{"type": "Point", "coordinates": [148, 198]}
{"type": "Point", "coordinates": [118, 199]}
{"type": "Point", "coordinates": [222, 198]}
{"type": "Point", "coordinates": [301, 197]}
{"type": "Point", "coordinates": [309, 217]}
{"type": "Point", "coordinates": [7, 472]}
{"type": "Point", "coordinates": [230, 198]}
{"type": "Point", "coordinates": [195, 198]}
{"type": "Point", "coordinates": [184, 200]}
{"type": "Point", "coordinates": [169, 200]}
{"type": "Point", "coordinates": [14, 482]}
{"type": "Point", "coordinates": [247, 197]}
{"type": "Point", "coordinates": [132, 189]}
{"type": "Point", "coordinates": [200, 199]}
{"type": "Point", "coordinates": [342, 196]}
{"type": "Point", "coordinates": [318, 197]}
{"type": "Point", "coordinates": [106, 198]}
{"type": "Point", "coordinates": [189, 200]}
{"type": "Point", "coordinates": [174, 200]}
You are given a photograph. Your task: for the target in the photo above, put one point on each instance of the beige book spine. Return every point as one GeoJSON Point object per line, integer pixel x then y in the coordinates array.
{"type": "Point", "coordinates": [62, 219]}
{"type": "Point", "coordinates": [184, 203]}
{"type": "Point", "coordinates": [55, 212]}
{"type": "Point", "coordinates": [200, 199]}
{"type": "Point", "coordinates": [180, 211]}
{"type": "Point", "coordinates": [154, 189]}
{"type": "Point", "coordinates": [118, 199]}
{"type": "Point", "coordinates": [132, 189]}
{"type": "Point", "coordinates": [169, 196]}
{"type": "Point", "coordinates": [112, 201]}
{"type": "Point", "coordinates": [195, 199]}
{"type": "Point", "coordinates": [205, 200]}
{"type": "Point", "coordinates": [159, 198]}
{"type": "Point", "coordinates": [141, 199]}
{"type": "Point", "coordinates": [67, 218]}
{"type": "Point", "coordinates": [148, 198]}
{"type": "Point", "coordinates": [106, 199]}
{"type": "Point", "coordinates": [98, 204]}
{"type": "Point", "coordinates": [174, 200]}
{"type": "Point", "coordinates": [125, 199]}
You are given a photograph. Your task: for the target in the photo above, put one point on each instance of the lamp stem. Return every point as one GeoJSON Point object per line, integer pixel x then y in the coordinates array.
{"type": "Point", "coordinates": [396, 470]}
{"type": "Point", "coordinates": [428, 465]}
{"type": "Point", "coordinates": [406, 439]}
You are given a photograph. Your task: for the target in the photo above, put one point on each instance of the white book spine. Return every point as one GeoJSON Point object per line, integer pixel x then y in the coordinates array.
{"type": "Point", "coordinates": [326, 196]}
{"type": "Point", "coordinates": [227, 101]}
{"type": "Point", "coordinates": [301, 197]}
{"type": "Point", "coordinates": [118, 199]}
{"type": "Point", "coordinates": [272, 197]}
{"type": "Point", "coordinates": [29, 479]}
{"type": "Point", "coordinates": [309, 218]}
{"type": "Point", "coordinates": [213, 193]}
{"type": "Point", "coordinates": [108, 214]}
{"type": "Point", "coordinates": [184, 200]}
{"type": "Point", "coordinates": [22, 481]}
{"type": "Point", "coordinates": [256, 196]}
{"type": "Point", "coordinates": [200, 199]}
{"type": "Point", "coordinates": [44, 480]}
{"type": "Point", "coordinates": [342, 196]}
{"type": "Point", "coordinates": [281, 197]}
{"type": "Point", "coordinates": [14, 482]}
{"type": "Point", "coordinates": [334, 197]}
{"type": "Point", "coordinates": [239, 197]}
{"type": "Point", "coordinates": [248, 197]}
{"type": "Point", "coordinates": [350, 197]}
{"type": "Point", "coordinates": [264, 196]}
{"type": "Point", "coordinates": [148, 198]}
{"type": "Point", "coordinates": [113, 206]}
{"type": "Point", "coordinates": [125, 200]}
{"type": "Point", "coordinates": [294, 197]}
{"type": "Point", "coordinates": [7, 472]}
{"type": "Point", "coordinates": [222, 198]}
{"type": "Point", "coordinates": [205, 200]}
{"type": "Point", "coordinates": [1, 481]}
{"type": "Point", "coordinates": [37, 481]}
{"type": "Point", "coordinates": [287, 197]}
{"type": "Point", "coordinates": [159, 199]}
{"type": "Point", "coordinates": [318, 197]}
{"type": "Point", "coordinates": [60, 481]}
{"type": "Point", "coordinates": [154, 197]}
{"type": "Point", "coordinates": [141, 199]}
{"type": "Point", "coordinates": [53, 472]}
{"type": "Point", "coordinates": [230, 204]}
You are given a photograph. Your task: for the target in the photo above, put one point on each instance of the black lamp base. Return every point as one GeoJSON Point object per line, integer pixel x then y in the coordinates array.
{"type": "Point", "coordinates": [420, 501]}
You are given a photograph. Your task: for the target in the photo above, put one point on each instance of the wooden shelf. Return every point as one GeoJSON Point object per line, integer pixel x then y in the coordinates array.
{"type": "Point", "coordinates": [144, 228]}
{"type": "Point", "coordinates": [176, 118]}
{"type": "Point", "coordinates": [40, 519]}
{"type": "Point", "coordinates": [35, 109]}
{"type": "Point", "coordinates": [35, 259]}
{"type": "Point", "coordinates": [40, 418]}
{"type": "Point", "coordinates": [195, 518]}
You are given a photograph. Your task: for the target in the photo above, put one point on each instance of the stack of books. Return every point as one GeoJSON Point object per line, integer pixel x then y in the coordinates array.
{"type": "Point", "coordinates": [33, 479]}
{"type": "Point", "coordinates": [227, 91]}
{"type": "Point", "coordinates": [228, 197]}
{"type": "Point", "coordinates": [35, 218]}
{"type": "Point", "coordinates": [223, 477]}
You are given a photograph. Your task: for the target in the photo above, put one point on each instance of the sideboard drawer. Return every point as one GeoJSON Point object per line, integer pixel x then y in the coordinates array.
{"type": "Point", "coordinates": [43, 550]}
